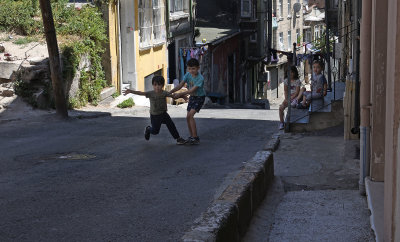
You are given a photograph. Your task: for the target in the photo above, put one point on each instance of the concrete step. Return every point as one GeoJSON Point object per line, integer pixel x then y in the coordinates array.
{"type": "Point", "coordinates": [107, 101]}
{"type": "Point", "coordinates": [321, 120]}
{"type": "Point", "coordinates": [301, 116]}
{"type": "Point", "coordinates": [107, 92]}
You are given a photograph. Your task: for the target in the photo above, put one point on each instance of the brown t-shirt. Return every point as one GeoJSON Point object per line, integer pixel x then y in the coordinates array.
{"type": "Point", "coordinates": [158, 102]}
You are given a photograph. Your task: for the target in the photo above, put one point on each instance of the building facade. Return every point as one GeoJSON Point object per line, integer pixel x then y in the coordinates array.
{"type": "Point", "coordinates": [180, 26]}
{"type": "Point", "coordinates": [138, 42]}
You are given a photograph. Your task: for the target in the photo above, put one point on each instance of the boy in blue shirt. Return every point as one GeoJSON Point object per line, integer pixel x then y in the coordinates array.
{"type": "Point", "coordinates": [195, 86]}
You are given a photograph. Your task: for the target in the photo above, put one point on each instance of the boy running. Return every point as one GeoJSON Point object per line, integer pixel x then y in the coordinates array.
{"type": "Point", "coordinates": [158, 110]}
{"type": "Point", "coordinates": [195, 86]}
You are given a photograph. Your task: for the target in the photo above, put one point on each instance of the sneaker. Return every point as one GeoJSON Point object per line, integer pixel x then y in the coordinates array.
{"type": "Point", "coordinates": [194, 141]}
{"type": "Point", "coordinates": [294, 103]}
{"type": "Point", "coordinates": [180, 141]}
{"type": "Point", "coordinates": [147, 133]}
{"type": "Point", "coordinates": [281, 126]}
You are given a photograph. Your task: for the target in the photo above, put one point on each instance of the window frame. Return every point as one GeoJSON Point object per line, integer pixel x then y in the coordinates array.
{"type": "Point", "coordinates": [246, 14]}
{"type": "Point", "coordinates": [289, 39]}
{"type": "Point", "coordinates": [149, 23]}
{"type": "Point", "coordinates": [281, 41]}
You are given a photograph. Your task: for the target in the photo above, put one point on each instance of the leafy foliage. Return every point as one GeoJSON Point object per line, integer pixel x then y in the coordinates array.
{"type": "Point", "coordinates": [83, 32]}
{"type": "Point", "coordinates": [127, 103]}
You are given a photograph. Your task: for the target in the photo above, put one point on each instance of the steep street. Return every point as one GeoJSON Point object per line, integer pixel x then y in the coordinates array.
{"type": "Point", "coordinates": [99, 180]}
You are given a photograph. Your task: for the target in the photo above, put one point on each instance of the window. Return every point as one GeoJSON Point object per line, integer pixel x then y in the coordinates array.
{"type": "Point", "coordinates": [298, 37]}
{"type": "Point", "coordinates": [151, 23]}
{"type": "Point", "coordinates": [289, 7]}
{"type": "Point", "coordinates": [145, 22]}
{"type": "Point", "coordinates": [316, 32]}
{"type": "Point", "coordinates": [159, 21]}
{"type": "Point", "coordinates": [280, 5]}
{"type": "Point", "coordinates": [281, 45]}
{"type": "Point", "coordinates": [246, 8]}
{"type": "Point", "coordinates": [179, 6]}
{"type": "Point", "coordinates": [289, 39]}
{"type": "Point", "coordinates": [253, 38]}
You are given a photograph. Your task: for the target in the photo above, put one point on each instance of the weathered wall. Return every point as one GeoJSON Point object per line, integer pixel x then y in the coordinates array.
{"type": "Point", "coordinates": [392, 128]}
{"type": "Point", "coordinates": [378, 88]}
{"type": "Point", "coordinates": [220, 54]}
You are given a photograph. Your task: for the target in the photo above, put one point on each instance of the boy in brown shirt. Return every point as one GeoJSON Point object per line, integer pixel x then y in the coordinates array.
{"type": "Point", "coordinates": [158, 110]}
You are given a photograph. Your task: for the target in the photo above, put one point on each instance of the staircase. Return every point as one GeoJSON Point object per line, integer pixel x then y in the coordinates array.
{"type": "Point", "coordinates": [322, 114]}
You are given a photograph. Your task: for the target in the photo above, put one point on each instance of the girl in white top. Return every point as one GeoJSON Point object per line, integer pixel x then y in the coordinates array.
{"type": "Point", "coordinates": [295, 84]}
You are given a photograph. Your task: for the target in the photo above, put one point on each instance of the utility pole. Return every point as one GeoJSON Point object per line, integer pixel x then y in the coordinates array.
{"type": "Point", "coordinates": [261, 27]}
{"type": "Point", "coordinates": [327, 43]}
{"type": "Point", "coordinates": [54, 57]}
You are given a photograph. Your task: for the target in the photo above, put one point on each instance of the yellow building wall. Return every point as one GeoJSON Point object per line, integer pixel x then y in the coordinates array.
{"type": "Point", "coordinates": [113, 42]}
{"type": "Point", "coordinates": [147, 61]}
{"type": "Point", "coordinates": [151, 60]}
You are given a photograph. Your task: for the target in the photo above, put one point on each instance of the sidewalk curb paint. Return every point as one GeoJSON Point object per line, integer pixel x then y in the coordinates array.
{"type": "Point", "coordinates": [228, 217]}
{"type": "Point", "coordinates": [273, 143]}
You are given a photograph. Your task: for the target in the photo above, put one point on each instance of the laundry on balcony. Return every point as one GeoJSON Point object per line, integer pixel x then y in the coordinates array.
{"type": "Point", "coordinates": [187, 53]}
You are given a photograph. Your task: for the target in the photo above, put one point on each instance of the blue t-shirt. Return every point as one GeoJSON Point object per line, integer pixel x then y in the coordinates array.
{"type": "Point", "coordinates": [197, 81]}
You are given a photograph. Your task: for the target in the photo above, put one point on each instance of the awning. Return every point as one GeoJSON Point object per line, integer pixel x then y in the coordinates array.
{"type": "Point", "coordinates": [215, 35]}
{"type": "Point", "coordinates": [313, 19]}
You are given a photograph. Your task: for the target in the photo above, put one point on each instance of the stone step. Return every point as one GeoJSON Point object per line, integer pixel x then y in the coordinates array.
{"type": "Point", "coordinates": [107, 92]}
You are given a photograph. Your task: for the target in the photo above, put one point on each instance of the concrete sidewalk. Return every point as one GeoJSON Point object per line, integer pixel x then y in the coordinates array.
{"type": "Point", "coordinates": [315, 192]}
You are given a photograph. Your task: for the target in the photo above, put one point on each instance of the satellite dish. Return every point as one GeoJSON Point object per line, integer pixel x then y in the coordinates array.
{"type": "Point", "coordinates": [296, 7]}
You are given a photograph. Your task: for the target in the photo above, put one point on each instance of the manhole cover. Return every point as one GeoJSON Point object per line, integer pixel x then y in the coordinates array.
{"type": "Point", "coordinates": [71, 156]}
{"type": "Point", "coordinates": [74, 156]}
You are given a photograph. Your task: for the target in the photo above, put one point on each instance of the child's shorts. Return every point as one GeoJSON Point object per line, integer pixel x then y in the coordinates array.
{"type": "Point", "coordinates": [196, 103]}
{"type": "Point", "coordinates": [309, 95]}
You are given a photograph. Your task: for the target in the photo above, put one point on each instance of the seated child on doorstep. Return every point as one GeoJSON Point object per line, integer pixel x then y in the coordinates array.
{"type": "Point", "coordinates": [318, 87]}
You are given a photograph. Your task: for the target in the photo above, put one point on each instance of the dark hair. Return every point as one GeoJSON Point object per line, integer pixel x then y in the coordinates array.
{"type": "Point", "coordinates": [193, 63]}
{"type": "Point", "coordinates": [319, 63]}
{"type": "Point", "coordinates": [293, 69]}
{"type": "Point", "coordinates": [158, 80]}
{"type": "Point", "coordinates": [295, 72]}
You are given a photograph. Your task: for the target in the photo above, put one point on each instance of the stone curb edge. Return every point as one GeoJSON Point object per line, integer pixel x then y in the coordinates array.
{"type": "Point", "coordinates": [89, 115]}
{"type": "Point", "coordinates": [228, 217]}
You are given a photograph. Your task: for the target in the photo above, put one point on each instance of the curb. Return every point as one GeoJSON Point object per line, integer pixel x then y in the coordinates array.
{"type": "Point", "coordinates": [273, 143]}
{"type": "Point", "coordinates": [89, 115]}
{"type": "Point", "coordinates": [229, 216]}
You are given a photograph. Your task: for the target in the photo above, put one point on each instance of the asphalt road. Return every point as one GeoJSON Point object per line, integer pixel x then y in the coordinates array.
{"type": "Point", "coordinates": [99, 180]}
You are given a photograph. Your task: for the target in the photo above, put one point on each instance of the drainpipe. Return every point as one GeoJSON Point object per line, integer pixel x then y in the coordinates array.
{"type": "Point", "coordinates": [119, 46]}
{"type": "Point", "coordinates": [365, 91]}
{"type": "Point", "coordinates": [192, 24]}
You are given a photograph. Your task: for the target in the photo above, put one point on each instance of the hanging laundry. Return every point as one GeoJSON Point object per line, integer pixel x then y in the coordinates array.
{"type": "Point", "coordinates": [188, 55]}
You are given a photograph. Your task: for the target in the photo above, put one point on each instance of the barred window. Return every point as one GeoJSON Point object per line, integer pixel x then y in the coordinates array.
{"type": "Point", "coordinates": [246, 8]}
{"type": "Point", "coordinates": [159, 21]}
{"type": "Point", "coordinates": [151, 23]}
{"type": "Point", "coordinates": [145, 23]}
{"type": "Point", "coordinates": [179, 6]}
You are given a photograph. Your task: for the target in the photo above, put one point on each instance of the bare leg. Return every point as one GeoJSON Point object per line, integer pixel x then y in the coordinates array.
{"type": "Point", "coordinates": [191, 123]}
{"type": "Point", "coordinates": [302, 90]}
{"type": "Point", "coordinates": [281, 110]}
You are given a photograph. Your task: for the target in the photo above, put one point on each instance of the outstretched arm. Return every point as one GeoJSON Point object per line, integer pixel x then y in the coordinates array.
{"type": "Point", "coordinates": [179, 87]}
{"type": "Point", "coordinates": [127, 91]}
{"type": "Point", "coordinates": [188, 92]}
